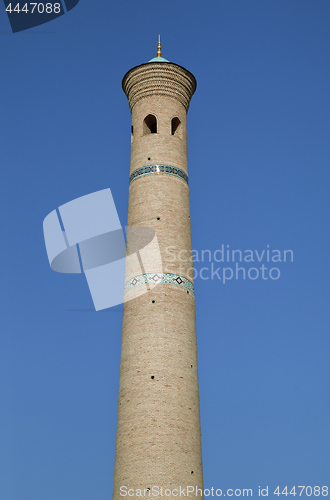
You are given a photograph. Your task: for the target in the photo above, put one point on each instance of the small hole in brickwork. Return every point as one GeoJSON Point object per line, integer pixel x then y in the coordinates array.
{"type": "Point", "coordinates": [158, 218]}
{"type": "Point", "coordinates": [152, 376]}
{"type": "Point", "coordinates": [191, 366]}
{"type": "Point", "coordinates": [153, 301]}
{"type": "Point", "coordinates": [192, 472]}
{"type": "Point", "coordinates": [187, 291]}
{"type": "Point", "coordinates": [149, 158]}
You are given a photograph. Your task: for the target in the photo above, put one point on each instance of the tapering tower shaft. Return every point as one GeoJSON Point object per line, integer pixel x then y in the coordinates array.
{"type": "Point", "coordinates": [158, 430]}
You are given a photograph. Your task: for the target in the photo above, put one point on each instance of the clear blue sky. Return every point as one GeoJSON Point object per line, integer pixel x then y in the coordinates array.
{"type": "Point", "coordinates": [258, 152]}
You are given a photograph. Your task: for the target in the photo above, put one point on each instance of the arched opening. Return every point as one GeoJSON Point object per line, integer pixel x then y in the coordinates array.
{"type": "Point", "coordinates": [132, 133]}
{"type": "Point", "coordinates": [150, 125]}
{"type": "Point", "coordinates": [176, 127]}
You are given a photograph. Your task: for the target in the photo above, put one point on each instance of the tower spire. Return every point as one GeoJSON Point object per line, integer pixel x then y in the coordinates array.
{"type": "Point", "coordinates": [159, 47]}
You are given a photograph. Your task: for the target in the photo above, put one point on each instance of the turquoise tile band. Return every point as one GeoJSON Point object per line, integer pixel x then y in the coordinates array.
{"type": "Point", "coordinates": [158, 169]}
{"type": "Point", "coordinates": [156, 278]}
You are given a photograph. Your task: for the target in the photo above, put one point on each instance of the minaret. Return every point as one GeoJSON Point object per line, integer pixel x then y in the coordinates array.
{"type": "Point", "coordinates": [158, 430]}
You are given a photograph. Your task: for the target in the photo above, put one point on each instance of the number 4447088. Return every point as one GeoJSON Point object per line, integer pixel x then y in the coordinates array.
{"type": "Point", "coordinates": [49, 8]}
{"type": "Point", "coordinates": [309, 491]}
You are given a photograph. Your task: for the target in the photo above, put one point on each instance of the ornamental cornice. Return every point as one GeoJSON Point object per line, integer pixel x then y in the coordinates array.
{"type": "Point", "coordinates": [163, 79]}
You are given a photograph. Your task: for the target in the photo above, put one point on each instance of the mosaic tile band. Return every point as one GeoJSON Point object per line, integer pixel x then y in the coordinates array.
{"type": "Point", "coordinates": [156, 278]}
{"type": "Point", "coordinates": [158, 169]}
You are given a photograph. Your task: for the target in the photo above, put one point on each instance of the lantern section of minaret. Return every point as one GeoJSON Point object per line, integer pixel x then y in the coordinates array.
{"type": "Point", "coordinates": [158, 430]}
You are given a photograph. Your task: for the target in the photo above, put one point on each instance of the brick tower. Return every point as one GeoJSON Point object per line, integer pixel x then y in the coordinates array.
{"type": "Point", "coordinates": [158, 430]}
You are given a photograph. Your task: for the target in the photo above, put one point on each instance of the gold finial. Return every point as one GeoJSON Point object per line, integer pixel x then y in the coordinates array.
{"type": "Point", "coordinates": [159, 48]}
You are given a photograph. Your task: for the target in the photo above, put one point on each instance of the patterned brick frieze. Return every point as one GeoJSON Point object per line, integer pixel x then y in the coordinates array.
{"type": "Point", "coordinates": [157, 278]}
{"type": "Point", "coordinates": [158, 169]}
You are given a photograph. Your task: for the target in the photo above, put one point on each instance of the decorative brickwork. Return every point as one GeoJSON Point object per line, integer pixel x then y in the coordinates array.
{"type": "Point", "coordinates": [157, 278]}
{"type": "Point", "coordinates": [158, 169]}
{"type": "Point", "coordinates": [163, 79]}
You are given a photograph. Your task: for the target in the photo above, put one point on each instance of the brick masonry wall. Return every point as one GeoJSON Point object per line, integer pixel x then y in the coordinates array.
{"type": "Point", "coordinates": [158, 429]}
